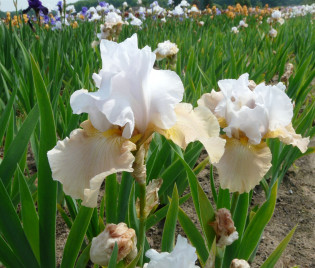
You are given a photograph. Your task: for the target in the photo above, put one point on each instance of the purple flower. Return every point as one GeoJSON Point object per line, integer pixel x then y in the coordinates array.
{"type": "Point", "coordinates": [218, 11]}
{"type": "Point", "coordinates": [84, 10]}
{"type": "Point", "coordinates": [46, 19]}
{"type": "Point", "coordinates": [102, 4]}
{"type": "Point", "coordinates": [59, 5]}
{"type": "Point", "coordinates": [37, 6]}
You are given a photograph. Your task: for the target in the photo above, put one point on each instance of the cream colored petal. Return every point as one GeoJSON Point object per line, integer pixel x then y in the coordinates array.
{"type": "Point", "coordinates": [211, 100]}
{"type": "Point", "coordinates": [82, 162]}
{"type": "Point", "coordinates": [288, 136]}
{"type": "Point", "coordinates": [243, 165]}
{"type": "Point", "coordinates": [197, 124]}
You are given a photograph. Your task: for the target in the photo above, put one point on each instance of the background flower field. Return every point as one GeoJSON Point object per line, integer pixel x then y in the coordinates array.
{"type": "Point", "coordinates": [39, 71]}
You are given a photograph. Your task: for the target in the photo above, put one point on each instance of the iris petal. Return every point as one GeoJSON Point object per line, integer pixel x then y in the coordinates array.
{"type": "Point", "coordinates": [82, 162]}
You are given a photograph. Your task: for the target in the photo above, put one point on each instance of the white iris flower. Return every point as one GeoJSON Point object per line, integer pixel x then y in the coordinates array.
{"type": "Point", "coordinates": [133, 101]}
{"type": "Point", "coordinates": [248, 117]}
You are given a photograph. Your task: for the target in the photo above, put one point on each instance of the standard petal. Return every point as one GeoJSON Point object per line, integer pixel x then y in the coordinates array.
{"type": "Point", "coordinates": [288, 136]}
{"type": "Point", "coordinates": [82, 101]}
{"type": "Point", "coordinates": [166, 92]}
{"type": "Point", "coordinates": [82, 162]}
{"type": "Point", "coordinates": [211, 100]}
{"type": "Point", "coordinates": [277, 104]}
{"type": "Point", "coordinates": [197, 124]}
{"type": "Point", "coordinates": [131, 93]}
{"type": "Point", "coordinates": [243, 165]}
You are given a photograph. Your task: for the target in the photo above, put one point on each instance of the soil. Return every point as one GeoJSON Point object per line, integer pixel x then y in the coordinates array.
{"type": "Point", "coordinates": [295, 205]}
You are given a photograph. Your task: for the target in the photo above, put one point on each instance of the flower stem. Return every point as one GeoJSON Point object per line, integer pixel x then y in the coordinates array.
{"type": "Point", "coordinates": [143, 219]}
{"type": "Point", "coordinates": [234, 202]}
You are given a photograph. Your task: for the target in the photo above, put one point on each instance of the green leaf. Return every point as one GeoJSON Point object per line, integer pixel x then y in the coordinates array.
{"type": "Point", "coordinates": [207, 215]}
{"type": "Point", "coordinates": [133, 220]}
{"type": "Point", "coordinates": [18, 146]}
{"type": "Point", "coordinates": [193, 235]}
{"type": "Point", "coordinates": [212, 254]}
{"type": "Point", "coordinates": [76, 236]}
{"type": "Point", "coordinates": [113, 257]}
{"type": "Point", "coordinates": [7, 257]}
{"type": "Point", "coordinates": [47, 188]}
{"type": "Point", "coordinates": [256, 226]}
{"type": "Point", "coordinates": [224, 199]}
{"type": "Point", "coordinates": [161, 213]}
{"type": "Point", "coordinates": [64, 216]}
{"type": "Point", "coordinates": [168, 236]}
{"type": "Point", "coordinates": [29, 215]}
{"type": "Point", "coordinates": [239, 218]}
{"type": "Point", "coordinates": [276, 254]}
{"type": "Point", "coordinates": [111, 193]}
{"type": "Point", "coordinates": [6, 114]}
{"type": "Point", "coordinates": [123, 197]}
{"type": "Point", "coordinates": [12, 231]}
{"type": "Point", "coordinates": [84, 258]}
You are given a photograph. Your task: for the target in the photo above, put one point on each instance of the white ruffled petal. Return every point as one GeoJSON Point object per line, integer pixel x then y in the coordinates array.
{"type": "Point", "coordinates": [252, 122]}
{"type": "Point", "coordinates": [166, 91]}
{"type": "Point", "coordinates": [183, 255]}
{"type": "Point", "coordinates": [276, 103]}
{"type": "Point", "coordinates": [131, 93]}
{"type": "Point", "coordinates": [82, 162]}
{"type": "Point", "coordinates": [83, 101]}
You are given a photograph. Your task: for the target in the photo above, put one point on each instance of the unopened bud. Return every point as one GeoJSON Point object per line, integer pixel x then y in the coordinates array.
{"type": "Point", "coordinates": [252, 85]}
{"type": "Point", "coordinates": [224, 228]}
{"type": "Point", "coordinates": [288, 72]}
{"type": "Point", "coordinates": [103, 245]}
{"type": "Point", "coordinates": [239, 264]}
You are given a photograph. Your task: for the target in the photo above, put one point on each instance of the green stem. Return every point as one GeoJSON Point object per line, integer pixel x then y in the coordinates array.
{"type": "Point", "coordinates": [143, 221]}
{"type": "Point", "coordinates": [219, 257]}
{"type": "Point", "coordinates": [234, 202]}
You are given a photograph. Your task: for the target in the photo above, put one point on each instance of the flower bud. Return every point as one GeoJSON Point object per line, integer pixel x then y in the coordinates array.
{"type": "Point", "coordinates": [239, 264]}
{"type": "Point", "coordinates": [224, 228]}
{"type": "Point", "coordinates": [103, 245]}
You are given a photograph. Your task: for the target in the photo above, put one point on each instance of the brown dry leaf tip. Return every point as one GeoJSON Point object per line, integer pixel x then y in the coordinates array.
{"type": "Point", "coordinates": [152, 197]}
{"type": "Point", "coordinates": [236, 263]}
{"type": "Point", "coordinates": [252, 85]}
{"type": "Point", "coordinates": [103, 245]}
{"type": "Point", "coordinates": [288, 72]}
{"type": "Point", "coordinates": [224, 228]}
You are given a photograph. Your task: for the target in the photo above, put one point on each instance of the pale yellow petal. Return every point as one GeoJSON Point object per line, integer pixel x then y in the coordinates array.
{"type": "Point", "coordinates": [243, 165]}
{"type": "Point", "coordinates": [288, 136]}
{"type": "Point", "coordinates": [211, 100]}
{"type": "Point", "coordinates": [197, 124]}
{"type": "Point", "coordinates": [82, 162]}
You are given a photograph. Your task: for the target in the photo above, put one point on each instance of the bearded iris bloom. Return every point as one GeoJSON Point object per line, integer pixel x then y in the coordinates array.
{"type": "Point", "coordinates": [249, 114]}
{"type": "Point", "coordinates": [37, 6]}
{"type": "Point", "coordinates": [133, 101]}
